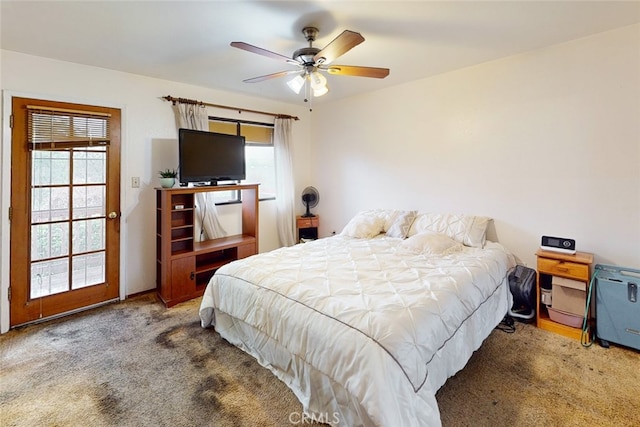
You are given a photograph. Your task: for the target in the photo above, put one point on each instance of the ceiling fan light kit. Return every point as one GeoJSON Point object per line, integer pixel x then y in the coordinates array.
{"type": "Point", "coordinates": [313, 60]}
{"type": "Point", "coordinates": [320, 91]}
{"type": "Point", "coordinates": [318, 83]}
{"type": "Point", "coordinates": [296, 83]}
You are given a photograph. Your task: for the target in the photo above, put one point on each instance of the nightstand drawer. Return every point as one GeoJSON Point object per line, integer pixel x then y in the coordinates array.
{"type": "Point", "coordinates": [563, 268]}
{"type": "Point", "coordinates": [307, 222]}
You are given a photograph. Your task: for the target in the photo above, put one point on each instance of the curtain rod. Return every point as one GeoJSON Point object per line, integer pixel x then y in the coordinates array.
{"type": "Point", "coordinates": [239, 110]}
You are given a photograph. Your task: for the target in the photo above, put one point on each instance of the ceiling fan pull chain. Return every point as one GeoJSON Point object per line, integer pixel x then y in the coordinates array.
{"type": "Point", "coordinates": [309, 94]}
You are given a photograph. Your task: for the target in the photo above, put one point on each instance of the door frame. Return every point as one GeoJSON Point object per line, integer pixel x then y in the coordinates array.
{"type": "Point", "coordinates": [5, 193]}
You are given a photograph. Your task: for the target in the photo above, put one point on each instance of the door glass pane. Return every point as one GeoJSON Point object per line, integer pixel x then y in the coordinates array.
{"type": "Point", "coordinates": [88, 270]}
{"type": "Point", "coordinates": [89, 201]}
{"type": "Point", "coordinates": [50, 167]}
{"type": "Point", "coordinates": [49, 277]}
{"type": "Point", "coordinates": [49, 240]}
{"type": "Point", "coordinates": [89, 165]}
{"type": "Point", "coordinates": [49, 204]}
{"type": "Point", "coordinates": [88, 235]}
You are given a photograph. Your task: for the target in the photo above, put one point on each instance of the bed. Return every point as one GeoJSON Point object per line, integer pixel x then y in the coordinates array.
{"type": "Point", "coordinates": [365, 326]}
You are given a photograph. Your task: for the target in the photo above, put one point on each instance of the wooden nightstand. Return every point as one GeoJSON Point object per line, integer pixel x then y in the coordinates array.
{"type": "Point", "coordinates": [307, 227]}
{"type": "Point", "coordinates": [576, 267]}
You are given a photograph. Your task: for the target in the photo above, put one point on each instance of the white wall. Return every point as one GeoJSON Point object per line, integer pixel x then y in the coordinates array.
{"type": "Point", "coordinates": [148, 145]}
{"type": "Point", "coordinates": [546, 143]}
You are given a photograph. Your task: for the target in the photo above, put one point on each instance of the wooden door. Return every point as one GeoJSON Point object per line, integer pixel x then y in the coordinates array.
{"type": "Point", "coordinates": [65, 208]}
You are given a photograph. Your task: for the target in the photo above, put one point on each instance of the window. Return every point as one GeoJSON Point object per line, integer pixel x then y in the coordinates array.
{"type": "Point", "coordinates": [259, 155]}
{"type": "Point", "coordinates": [260, 161]}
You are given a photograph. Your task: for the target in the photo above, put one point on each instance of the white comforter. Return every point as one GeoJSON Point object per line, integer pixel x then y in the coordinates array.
{"type": "Point", "coordinates": [372, 329]}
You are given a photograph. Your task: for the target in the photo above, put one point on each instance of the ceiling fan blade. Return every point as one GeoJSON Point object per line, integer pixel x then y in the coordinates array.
{"type": "Point", "coordinates": [260, 51]}
{"type": "Point", "coordinates": [338, 46]}
{"type": "Point", "coordinates": [270, 76]}
{"type": "Point", "coordinates": [350, 70]}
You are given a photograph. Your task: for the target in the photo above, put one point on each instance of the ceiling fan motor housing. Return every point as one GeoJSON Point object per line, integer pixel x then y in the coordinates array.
{"type": "Point", "coordinates": [310, 33]}
{"type": "Point", "coordinates": [305, 55]}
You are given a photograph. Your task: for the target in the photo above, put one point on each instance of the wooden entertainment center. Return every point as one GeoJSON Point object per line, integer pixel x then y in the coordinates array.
{"type": "Point", "coordinates": [184, 266]}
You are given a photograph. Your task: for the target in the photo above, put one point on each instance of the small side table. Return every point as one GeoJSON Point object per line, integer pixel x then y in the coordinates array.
{"type": "Point", "coordinates": [576, 267]}
{"type": "Point", "coordinates": [307, 227]}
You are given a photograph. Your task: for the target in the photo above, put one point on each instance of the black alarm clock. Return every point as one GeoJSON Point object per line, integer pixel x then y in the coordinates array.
{"type": "Point", "coordinates": [558, 244]}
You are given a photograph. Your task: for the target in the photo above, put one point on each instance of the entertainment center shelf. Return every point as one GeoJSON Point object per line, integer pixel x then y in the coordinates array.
{"type": "Point", "coordinates": [185, 266]}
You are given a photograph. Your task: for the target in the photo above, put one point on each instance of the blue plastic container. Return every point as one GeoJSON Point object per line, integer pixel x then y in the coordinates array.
{"type": "Point", "coordinates": [617, 305]}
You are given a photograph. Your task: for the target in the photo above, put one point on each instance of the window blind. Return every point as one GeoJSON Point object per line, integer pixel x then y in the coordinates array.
{"type": "Point", "coordinates": [253, 134]}
{"type": "Point", "coordinates": [59, 129]}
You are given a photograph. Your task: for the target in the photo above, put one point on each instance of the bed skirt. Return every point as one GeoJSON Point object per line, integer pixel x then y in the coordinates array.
{"type": "Point", "coordinates": [325, 400]}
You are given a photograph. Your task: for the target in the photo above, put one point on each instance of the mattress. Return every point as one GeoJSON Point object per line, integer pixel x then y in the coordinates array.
{"type": "Point", "coordinates": [363, 331]}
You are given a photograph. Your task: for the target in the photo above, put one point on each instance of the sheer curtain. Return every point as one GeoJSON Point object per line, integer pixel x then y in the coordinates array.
{"type": "Point", "coordinates": [285, 216]}
{"type": "Point", "coordinates": [193, 116]}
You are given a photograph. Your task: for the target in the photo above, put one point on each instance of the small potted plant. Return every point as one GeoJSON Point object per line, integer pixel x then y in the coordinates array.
{"type": "Point", "coordinates": [168, 177]}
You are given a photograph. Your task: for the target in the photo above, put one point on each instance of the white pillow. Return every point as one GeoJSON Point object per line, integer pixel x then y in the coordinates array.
{"type": "Point", "coordinates": [466, 229]}
{"type": "Point", "coordinates": [388, 216]}
{"type": "Point", "coordinates": [364, 226]}
{"type": "Point", "coordinates": [430, 243]}
{"type": "Point", "coordinates": [402, 224]}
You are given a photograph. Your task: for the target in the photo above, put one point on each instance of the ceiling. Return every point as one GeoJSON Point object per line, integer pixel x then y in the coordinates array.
{"type": "Point", "coordinates": [188, 41]}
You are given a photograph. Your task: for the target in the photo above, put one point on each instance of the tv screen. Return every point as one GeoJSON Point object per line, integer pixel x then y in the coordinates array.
{"type": "Point", "coordinates": [210, 157]}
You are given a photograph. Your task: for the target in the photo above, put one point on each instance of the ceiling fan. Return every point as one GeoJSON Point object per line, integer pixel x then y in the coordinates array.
{"type": "Point", "coordinates": [311, 60]}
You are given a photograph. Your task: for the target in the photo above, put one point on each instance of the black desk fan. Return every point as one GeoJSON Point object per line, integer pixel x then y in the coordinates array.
{"type": "Point", "coordinates": [310, 198]}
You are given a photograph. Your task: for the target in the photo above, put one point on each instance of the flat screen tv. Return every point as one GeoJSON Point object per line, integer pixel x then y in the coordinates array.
{"type": "Point", "coordinates": [209, 157]}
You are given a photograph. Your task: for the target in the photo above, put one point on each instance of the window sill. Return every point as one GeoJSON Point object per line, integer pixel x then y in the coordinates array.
{"type": "Point", "coordinates": [237, 202]}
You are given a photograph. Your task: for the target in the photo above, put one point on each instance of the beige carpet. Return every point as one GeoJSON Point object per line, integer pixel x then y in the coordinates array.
{"type": "Point", "coordinates": [139, 364]}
